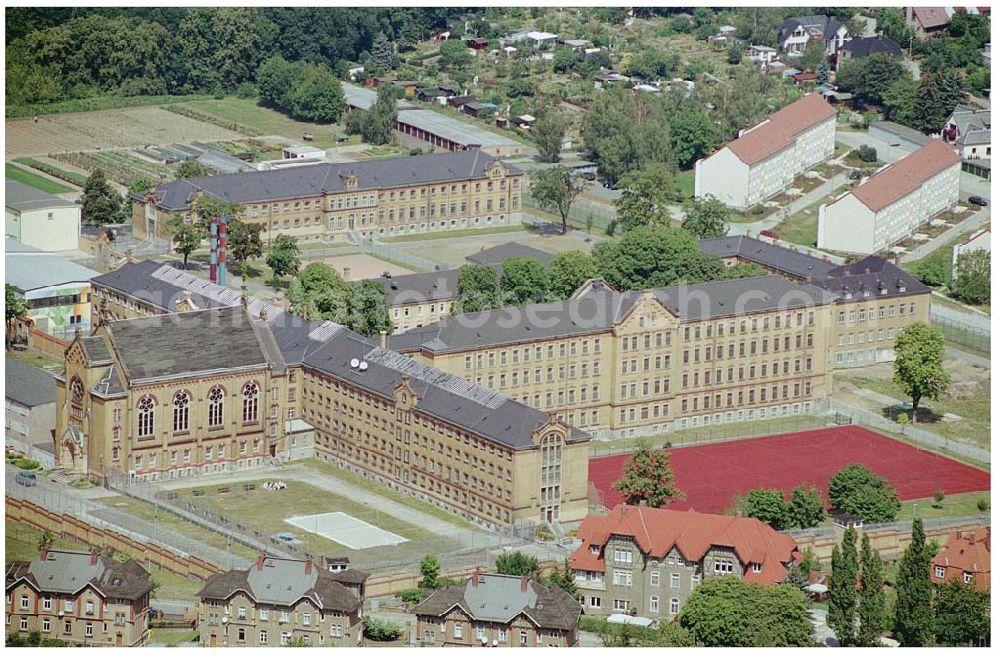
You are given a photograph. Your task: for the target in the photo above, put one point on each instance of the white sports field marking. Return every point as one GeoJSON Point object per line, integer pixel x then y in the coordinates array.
{"type": "Point", "coordinates": [346, 530]}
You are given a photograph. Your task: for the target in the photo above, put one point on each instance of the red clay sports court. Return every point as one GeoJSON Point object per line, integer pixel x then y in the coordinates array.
{"type": "Point", "coordinates": [714, 474]}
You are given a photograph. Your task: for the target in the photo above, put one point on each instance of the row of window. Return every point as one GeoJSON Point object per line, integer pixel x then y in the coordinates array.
{"type": "Point", "coordinates": [885, 310]}
{"type": "Point", "coordinates": [797, 389]}
{"type": "Point", "coordinates": [517, 356]}
{"type": "Point", "coordinates": [880, 335]}
{"type": "Point", "coordinates": [734, 374]}
{"type": "Point", "coordinates": [752, 323]}
{"type": "Point", "coordinates": [731, 351]}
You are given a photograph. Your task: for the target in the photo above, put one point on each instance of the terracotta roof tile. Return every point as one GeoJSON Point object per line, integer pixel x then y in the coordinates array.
{"type": "Point", "coordinates": [931, 17]}
{"type": "Point", "coordinates": [905, 176]}
{"type": "Point", "coordinates": [779, 130]}
{"type": "Point", "coordinates": [658, 531]}
{"type": "Point", "coordinates": [965, 552]}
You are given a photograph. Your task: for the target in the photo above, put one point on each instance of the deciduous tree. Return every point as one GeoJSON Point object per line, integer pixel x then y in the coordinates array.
{"type": "Point", "coordinates": [430, 570]}
{"type": "Point", "coordinates": [649, 257]}
{"type": "Point", "coordinates": [706, 218]}
{"type": "Point", "coordinates": [646, 197]}
{"type": "Point", "coordinates": [855, 489]}
{"type": "Point", "coordinates": [549, 132]}
{"type": "Point", "coordinates": [568, 271]}
{"type": "Point", "coordinates": [962, 614]}
{"type": "Point", "coordinates": [15, 307]}
{"type": "Point", "coordinates": [283, 255]}
{"type": "Point", "coordinates": [919, 364]}
{"type": "Point", "coordinates": [972, 277]}
{"type": "Point", "coordinates": [555, 189]}
{"type": "Point", "coordinates": [370, 309]}
{"type": "Point", "coordinates": [523, 280]}
{"type": "Point", "coordinates": [805, 509]}
{"type": "Point", "coordinates": [185, 236]}
{"type": "Point", "coordinates": [768, 505]}
{"type": "Point", "coordinates": [516, 563]}
{"type": "Point", "coordinates": [648, 477]}
{"type": "Point", "coordinates": [243, 241]}
{"type": "Point", "coordinates": [191, 168]}
{"type": "Point", "coordinates": [477, 289]}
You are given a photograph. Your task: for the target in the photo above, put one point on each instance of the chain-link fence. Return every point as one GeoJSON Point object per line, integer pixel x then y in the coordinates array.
{"type": "Point", "coordinates": [902, 526]}
{"type": "Point", "coordinates": [911, 432]}
{"type": "Point", "coordinates": [713, 433]}
{"type": "Point", "coordinates": [963, 333]}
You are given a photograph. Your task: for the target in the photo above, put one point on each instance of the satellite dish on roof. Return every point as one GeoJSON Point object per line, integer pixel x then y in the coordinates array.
{"type": "Point", "coordinates": [355, 362]}
{"type": "Point", "coordinates": [363, 366]}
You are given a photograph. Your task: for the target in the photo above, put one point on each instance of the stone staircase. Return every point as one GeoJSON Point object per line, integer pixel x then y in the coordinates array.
{"type": "Point", "coordinates": [63, 475]}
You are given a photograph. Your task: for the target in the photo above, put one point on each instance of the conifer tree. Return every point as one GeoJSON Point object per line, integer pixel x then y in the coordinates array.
{"type": "Point", "coordinates": [843, 590]}
{"type": "Point", "coordinates": [871, 604]}
{"type": "Point", "coordinates": [914, 618]}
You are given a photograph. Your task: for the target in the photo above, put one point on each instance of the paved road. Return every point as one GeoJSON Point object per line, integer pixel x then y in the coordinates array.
{"type": "Point", "coordinates": [969, 358]}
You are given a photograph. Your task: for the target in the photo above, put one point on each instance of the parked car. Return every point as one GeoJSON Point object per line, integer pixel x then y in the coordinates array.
{"type": "Point", "coordinates": [769, 234]}
{"type": "Point", "coordinates": [608, 184]}
{"type": "Point", "coordinates": [978, 200]}
{"type": "Point", "coordinates": [855, 175]}
{"type": "Point", "coordinates": [26, 479]}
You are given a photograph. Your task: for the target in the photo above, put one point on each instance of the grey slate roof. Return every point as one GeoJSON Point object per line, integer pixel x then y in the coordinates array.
{"type": "Point", "coordinates": [309, 181]}
{"type": "Point", "coordinates": [874, 274]}
{"type": "Point", "coordinates": [828, 26]}
{"type": "Point", "coordinates": [282, 582]}
{"type": "Point", "coordinates": [96, 350]}
{"type": "Point", "coordinates": [768, 255]}
{"type": "Point", "coordinates": [189, 343]}
{"type": "Point", "coordinates": [509, 250]}
{"type": "Point", "coordinates": [67, 572]}
{"type": "Point", "coordinates": [28, 386]}
{"type": "Point", "coordinates": [866, 46]}
{"type": "Point", "coordinates": [21, 197]}
{"type": "Point", "coordinates": [509, 423]}
{"type": "Point", "coordinates": [420, 287]}
{"type": "Point", "coordinates": [500, 599]}
{"type": "Point", "coordinates": [597, 308]}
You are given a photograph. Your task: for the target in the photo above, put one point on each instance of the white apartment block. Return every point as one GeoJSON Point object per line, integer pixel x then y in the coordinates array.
{"type": "Point", "coordinates": [766, 158]}
{"type": "Point", "coordinates": [891, 204]}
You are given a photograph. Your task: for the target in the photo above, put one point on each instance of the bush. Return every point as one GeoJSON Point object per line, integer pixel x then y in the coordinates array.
{"type": "Point", "coordinates": [866, 154]}
{"type": "Point", "coordinates": [27, 464]}
{"type": "Point", "coordinates": [410, 596]}
{"type": "Point", "coordinates": [544, 533]}
{"type": "Point", "coordinates": [983, 504]}
{"type": "Point", "coordinates": [757, 210]}
{"type": "Point", "coordinates": [938, 497]}
{"type": "Point", "coordinates": [381, 630]}
{"type": "Point", "coordinates": [246, 90]}
{"type": "Point", "coordinates": [903, 418]}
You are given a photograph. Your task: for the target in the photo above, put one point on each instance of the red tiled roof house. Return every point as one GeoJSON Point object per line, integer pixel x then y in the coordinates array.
{"type": "Point", "coordinates": [965, 555]}
{"type": "Point", "coordinates": [650, 560]}
{"type": "Point", "coordinates": [767, 157]}
{"type": "Point", "coordinates": [893, 203]}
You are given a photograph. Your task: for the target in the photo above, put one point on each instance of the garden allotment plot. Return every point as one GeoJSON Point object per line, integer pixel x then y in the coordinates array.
{"type": "Point", "coordinates": [346, 530]}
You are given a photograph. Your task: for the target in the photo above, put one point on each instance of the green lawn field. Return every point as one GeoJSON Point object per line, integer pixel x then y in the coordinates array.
{"type": "Point", "coordinates": [12, 172]}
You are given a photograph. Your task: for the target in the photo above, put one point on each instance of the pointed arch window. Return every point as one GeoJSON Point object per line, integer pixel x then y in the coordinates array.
{"type": "Point", "coordinates": [251, 402]}
{"type": "Point", "coordinates": [76, 398]}
{"type": "Point", "coordinates": [146, 412]}
{"type": "Point", "coordinates": [182, 411]}
{"type": "Point", "coordinates": [216, 400]}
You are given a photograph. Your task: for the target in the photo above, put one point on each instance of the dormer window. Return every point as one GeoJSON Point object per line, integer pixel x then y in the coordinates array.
{"type": "Point", "coordinates": [595, 549]}
{"type": "Point", "coordinates": [756, 567]}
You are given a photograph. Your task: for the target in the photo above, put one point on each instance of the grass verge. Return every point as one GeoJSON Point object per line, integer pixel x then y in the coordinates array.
{"type": "Point", "coordinates": [380, 490]}
{"type": "Point", "coordinates": [173, 637]}
{"type": "Point", "coordinates": [95, 104]}
{"type": "Point", "coordinates": [12, 172]}
{"type": "Point", "coordinates": [454, 234]}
